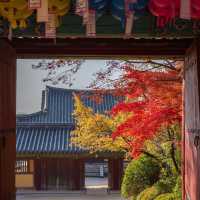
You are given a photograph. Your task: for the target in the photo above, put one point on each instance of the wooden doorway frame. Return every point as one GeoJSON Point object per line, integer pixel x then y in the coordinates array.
{"type": "Point", "coordinates": [79, 47]}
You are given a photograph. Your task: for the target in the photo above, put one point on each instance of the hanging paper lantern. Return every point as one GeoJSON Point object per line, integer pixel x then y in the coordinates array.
{"type": "Point", "coordinates": [168, 10]}
{"type": "Point", "coordinates": [164, 10]}
{"type": "Point", "coordinates": [190, 9]}
{"type": "Point", "coordinates": [17, 4]}
{"type": "Point", "coordinates": [126, 11]}
{"type": "Point", "coordinates": [42, 12]}
{"type": "Point", "coordinates": [91, 10]}
{"type": "Point", "coordinates": [122, 10]}
{"type": "Point", "coordinates": [16, 12]}
{"type": "Point", "coordinates": [118, 11]}
{"type": "Point", "coordinates": [50, 26]}
{"type": "Point", "coordinates": [99, 6]}
{"type": "Point", "coordinates": [82, 9]}
{"type": "Point", "coordinates": [50, 13]}
{"type": "Point", "coordinates": [130, 16]}
{"type": "Point", "coordinates": [59, 4]}
{"type": "Point", "coordinates": [59, 8]}
{"type": "Point", "coordinates": [91, 24]}
{"type": "Point", "coordinates": [195, 9]}
{"type": "Point", "coordinates": [138, 5]}
{"type": "Point", "coordinates": [135, 9]}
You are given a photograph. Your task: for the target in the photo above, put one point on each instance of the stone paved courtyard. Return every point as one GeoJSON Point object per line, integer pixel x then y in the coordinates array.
{"type": "Point", "coordinates": [71, 197]}
{"type": "Point", "coordinates": [96, 191]}
{"type": "Point", "coordinates": [91, 194]}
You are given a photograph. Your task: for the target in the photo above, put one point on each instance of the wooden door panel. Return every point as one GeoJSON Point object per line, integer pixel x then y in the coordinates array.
{"type": "Point", "coordinates": [37, 174]}
{"type": "Point", "coordinates": [7, 120]}
{"type": "Point", "coordinates": [115, 173]}
{"type": "Point", "coordinates": [192, 122]}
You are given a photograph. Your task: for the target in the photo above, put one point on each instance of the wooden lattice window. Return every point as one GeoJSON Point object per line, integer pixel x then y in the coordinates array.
{"type": "Point", "coordinates": [22, 167]}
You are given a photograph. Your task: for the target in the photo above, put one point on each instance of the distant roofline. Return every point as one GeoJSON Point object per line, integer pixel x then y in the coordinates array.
{"type": "Point", "coordinates": [51, 88]}
{"type": "Point", "coordinates": [78, 90]}
{"type": "Point", "coordinates": [29, 114]}
{"type": "Point", "coordinates": [48, 87]}
{"type": "Point", "coordinates": [45, 125]}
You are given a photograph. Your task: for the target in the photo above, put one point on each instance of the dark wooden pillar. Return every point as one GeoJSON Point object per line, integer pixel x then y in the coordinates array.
{"type": "Point", "coordinates": [82, 173]}
{"type": "Point", "coordinates": [191, 150]}
{"type": "Point", "coordinates": [37, 174]}
{"type": "Point", "coordinates": [7, 120]}
{"type": "Point", "coordinates": [77, 174]}
{"type": "Point", "coordinates": [115, 173]}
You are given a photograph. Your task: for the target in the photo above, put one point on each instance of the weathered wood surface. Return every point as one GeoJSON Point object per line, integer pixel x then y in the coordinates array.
{"type": "Point", "coordinates": [192, 122]}
{"type": "Point", "coordinates": [103, 47]}
{"type": "Point", "coordinates": [7, 120]}
{"type": "Point", "coordinates": [59, 174]}
{"type": "Point", "coordinates": [115, 173]}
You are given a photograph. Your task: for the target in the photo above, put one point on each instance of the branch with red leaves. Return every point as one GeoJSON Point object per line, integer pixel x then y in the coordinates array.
{"type": "Point", "coordinates": [153, 104]}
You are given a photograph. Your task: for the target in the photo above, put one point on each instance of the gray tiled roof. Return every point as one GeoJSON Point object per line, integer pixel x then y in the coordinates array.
{"type": "Point", "coordinates": [60, 106]}
{"type": "Point", "coordinates": [49, 130]}
{"type": "Point", "coordinates": [37, 140]}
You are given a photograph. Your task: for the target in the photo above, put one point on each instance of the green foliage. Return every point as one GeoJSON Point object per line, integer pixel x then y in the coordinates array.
{"type": "Point", "coordinates": [166, 184]}
{"type": "Point", "coordinates": [163, 190]}
{"type": "Point", "coordinates": [169, 188]}
{"type": "Point", "coordinates": [148, 194]}
{"type": "Point", "coordinates": [167, 196]}
{"type": "Point", "coordinates": [165, 153]}
{"type": "Point", "coordinates": [93, 130]}
{"type": "Point", "coordinates": [133, 198]}
{"type": "Point", "coordinates": [169, 178]}
{"type": "Point", "coordinates": [139, 174]}
{"type": "Point", "coordinates": [166, 150]}
{"type": "Point", "coordinates": [178, 187]}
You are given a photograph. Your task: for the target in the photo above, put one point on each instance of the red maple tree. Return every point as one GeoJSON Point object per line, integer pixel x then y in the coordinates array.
{"type": "Point", "coordinates": [154, 99]}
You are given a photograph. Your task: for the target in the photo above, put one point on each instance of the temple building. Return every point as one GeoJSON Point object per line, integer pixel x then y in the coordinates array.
{"type": "Point", "coordinates": [150, 29]}
{"type": "Point", "coordinates": [46, 158]}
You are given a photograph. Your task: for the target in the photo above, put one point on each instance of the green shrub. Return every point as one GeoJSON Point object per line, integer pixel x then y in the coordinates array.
{"type": "Point", "coordinates": [148, 194]}
{"type": "Point", "coordinates": [178, 188]}
{"type": "Point", "coordinates": [133, 198]}
{"type": "Point", "coordinates": [167, 196]}
{"type": "Point", "coordinates": [164, 187]}
{"type": "Point", "coordinates": [166, 184]}
{"type": "Point", "coordinates": [139, 174]}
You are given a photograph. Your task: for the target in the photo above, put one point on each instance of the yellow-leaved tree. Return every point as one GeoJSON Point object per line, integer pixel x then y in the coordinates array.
{"type": "Point", "coordinates": [93, 130]}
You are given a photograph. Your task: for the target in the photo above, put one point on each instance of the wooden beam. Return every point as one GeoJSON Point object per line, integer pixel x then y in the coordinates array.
{"type": "Point", "coordinates": [100, 47]}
